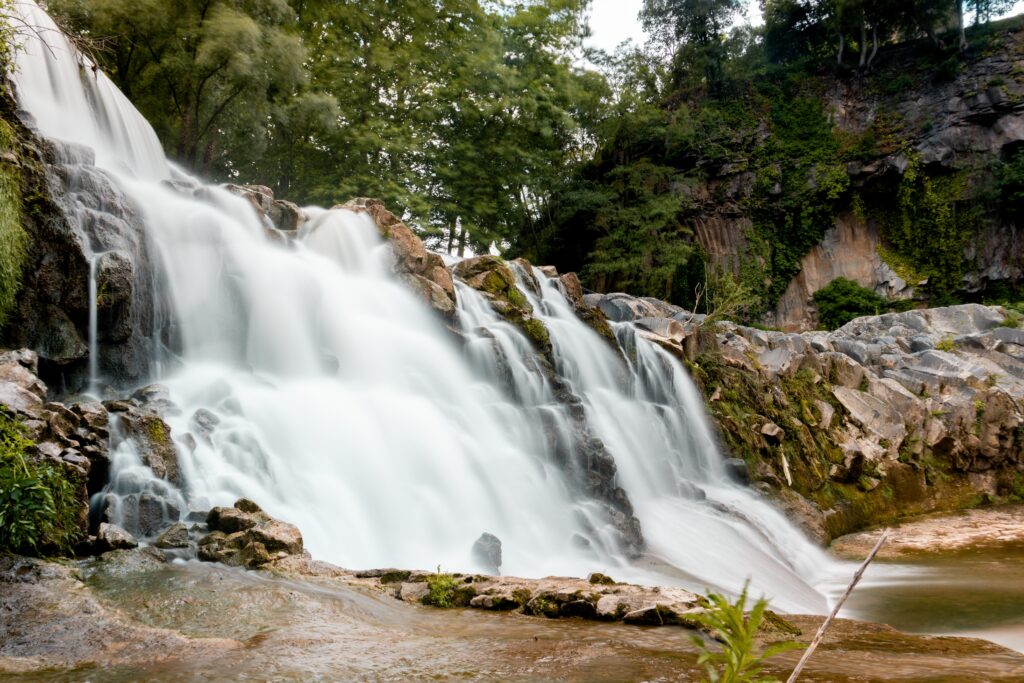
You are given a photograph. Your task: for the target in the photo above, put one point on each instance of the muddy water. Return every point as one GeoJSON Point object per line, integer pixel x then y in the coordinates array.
{"type": "Point", "coordinates": [321, 630]}
{"type": "Point", "coordinates": [976, 592]}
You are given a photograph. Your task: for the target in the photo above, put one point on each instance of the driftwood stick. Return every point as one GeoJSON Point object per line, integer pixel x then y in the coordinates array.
{"type": "Point", "coordinates": [835, 610]}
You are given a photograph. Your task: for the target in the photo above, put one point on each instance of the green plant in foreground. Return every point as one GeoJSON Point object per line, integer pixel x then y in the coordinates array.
{"type": "Point", "coordinates": [739, 660]}
{"type": "Point", "coordinates": [442, 590]}
{"type": "Point", "coordinates": [38, 507]}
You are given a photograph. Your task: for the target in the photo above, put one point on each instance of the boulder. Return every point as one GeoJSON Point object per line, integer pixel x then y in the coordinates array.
{"type": "Point", "coordinates": [487, 553]}
{"type": "Point", "coordinates": [176, 536]}
{"type": "Point", "coordinates": [113, 537]}
{"type": "Point", "coordinates": [151, 436]}
{"type": "Point", "coordinates": [246, 536]}
{"type": "Point", "coordinates": [773, 432]}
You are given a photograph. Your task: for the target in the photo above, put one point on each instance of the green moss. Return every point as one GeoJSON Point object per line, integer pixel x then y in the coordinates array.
{"type": "Point", "coordinates": [157, 432]}
{"type": "Point", "coordinates": [517, 298]}
{"type": "Point", "coordinates": [13, 238]}
{"type": "Point", "coordinates": [396, 576]}
{"type": "Point", "coordinates": [537, 332]}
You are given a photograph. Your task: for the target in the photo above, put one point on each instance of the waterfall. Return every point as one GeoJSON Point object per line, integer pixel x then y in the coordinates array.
{"type": "Point", "coordinates": [94, 347]}
{"type": "Point", "coordinates": [311, 380]}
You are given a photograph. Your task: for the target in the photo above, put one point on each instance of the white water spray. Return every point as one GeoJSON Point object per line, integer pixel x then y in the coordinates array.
{"type": "Point", "coordinates": [316, 384]}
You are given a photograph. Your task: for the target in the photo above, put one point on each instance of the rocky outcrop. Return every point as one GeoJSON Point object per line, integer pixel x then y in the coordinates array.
{"type": "Point", "coordinates": [246, 536]}
{"type": "Point", "coordinates": [888, 416]}
{"type": "Point", "coordinates": [278, 213]}
{"type": "Point", "coordinates": [423, 270]}
{"type": "Point", "coordinates": [493, 278]}
{"type": "Point", "coordinates": [553, 597]}
{"type": "Point", "coordinates": [71, 436]}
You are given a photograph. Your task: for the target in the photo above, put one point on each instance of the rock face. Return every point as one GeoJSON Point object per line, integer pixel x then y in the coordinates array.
{"type": "Point", "coordinates": [850, 250]}
{"type": "Point", "coordinates": [79, 227]}
{"type": "Point", "coordinates": [888, 416]}
{"type": "Point", "coordinates": [245, 536]}
{"type": "Point", "coordinates": [423, 270]}
{"type": "Point", "coordinates": [958, 123]}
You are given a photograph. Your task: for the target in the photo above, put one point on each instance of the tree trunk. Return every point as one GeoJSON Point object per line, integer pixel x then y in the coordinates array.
{"type": "Point", "coordinates": [960, 24]}
{"type": "Point", "coordinates": [874, 44]}
{"type": "Point", "coordinates": [462, 241]}
{"type": "Point", "coordinates": [842, 44]}
{"type": "Point", "coordinates": [863, 43]}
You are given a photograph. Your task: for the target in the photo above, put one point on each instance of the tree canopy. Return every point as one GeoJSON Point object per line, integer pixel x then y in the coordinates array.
{"type": "Point", "coordinates": [486, 123]}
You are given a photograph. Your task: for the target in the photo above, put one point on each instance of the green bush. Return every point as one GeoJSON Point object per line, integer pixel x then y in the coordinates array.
{"type": "Point", "coordinates": [843, 300]}
{"type": "Point", "coordinates": [38, 505]}
{"type": "Point", "coordinates": [1010, 184]}
{"type": "Point", "coordinates": [442, 590]}
{"type": "Point", "coordinates": [739, 660]}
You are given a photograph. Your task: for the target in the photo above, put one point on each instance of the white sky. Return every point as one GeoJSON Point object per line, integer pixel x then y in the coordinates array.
{"type": "Point", "coordinates": [613, 21]}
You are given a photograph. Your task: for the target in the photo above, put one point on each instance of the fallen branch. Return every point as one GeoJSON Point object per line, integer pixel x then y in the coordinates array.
{"type": "Point", "coordinates": [835, 610]}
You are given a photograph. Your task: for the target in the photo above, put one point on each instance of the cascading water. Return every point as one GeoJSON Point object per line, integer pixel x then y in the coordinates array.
{"type": "Point", "coordinates": [695, 519]}
{"type": "Point", "coordinates": [315, 383]}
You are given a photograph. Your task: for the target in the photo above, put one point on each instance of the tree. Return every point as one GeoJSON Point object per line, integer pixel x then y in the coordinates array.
{"type": "Point", "coordinates": [984, 10]}
{"type": "Point", "coordinates": [201, 71]}
{"type": "Point", "coordinates": [694, 31]}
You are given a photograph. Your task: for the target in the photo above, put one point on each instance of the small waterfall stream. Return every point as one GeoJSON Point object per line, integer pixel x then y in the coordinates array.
{"type": "Point", "coordinates": [314, 382]}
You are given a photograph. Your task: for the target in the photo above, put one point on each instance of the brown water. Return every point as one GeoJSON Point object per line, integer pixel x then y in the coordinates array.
{"type": "Point", "coordinates": [971, 592]}
{"type": "Point", "coordinates": [317, 630]}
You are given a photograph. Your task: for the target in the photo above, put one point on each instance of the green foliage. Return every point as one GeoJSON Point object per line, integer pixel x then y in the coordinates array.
{"type": "Point", "coordinates": [799, 186]}
{"type": "Point", "coordinates": [13, 238]}
{"type": "Point", "coordinates": [442, 590]}
{"type": "Point", "coordinates": [726, 296]}
{"type": "Point", "coordinates": [927, 229]}
{"type": "Point", "coordinates": [739, 660]}
{"type": "Point", "coordinates": [1010, 184]}
{"type": "Point", "coordinates": [842, 300]}
{"type": "Point", "coordinates": [947, 344]}
{"type": "Point", "coordinates": [212, 76]}
{"type": "Point", "coordinates": [694, 31]}
{"type": "Point", "coordinates": [38, 505]}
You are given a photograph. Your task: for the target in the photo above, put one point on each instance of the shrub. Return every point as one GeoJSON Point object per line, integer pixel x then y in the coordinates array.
{"type": "Point", "coordinates": [442, 590]}
{"type": "Point", "coordinates": [843, 300]}
{"type": "Point", "coordinates": [739, 660]}
{"type": "Point", "coordinates": [38, 505]}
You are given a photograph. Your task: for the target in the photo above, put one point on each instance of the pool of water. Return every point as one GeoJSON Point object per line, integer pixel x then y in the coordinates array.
{"type": "Point", "coordinates": [975, 592]}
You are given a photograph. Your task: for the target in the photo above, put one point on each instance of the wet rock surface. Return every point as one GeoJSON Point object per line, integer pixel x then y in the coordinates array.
{"type": "Point", "coordinates": [246, 536]}
{"type": "Point", "coordinates": [49, 620]}
{"type": "Point", "coordinates": [123, 617]}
